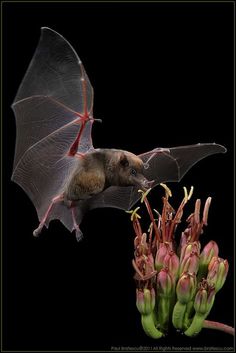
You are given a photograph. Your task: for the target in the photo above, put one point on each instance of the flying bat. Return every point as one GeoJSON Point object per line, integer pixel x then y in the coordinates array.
{"type": "Point", "coordinates": [55, 162]}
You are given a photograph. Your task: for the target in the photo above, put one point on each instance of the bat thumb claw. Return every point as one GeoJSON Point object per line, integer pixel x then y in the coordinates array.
{"type": "Point", "coordinates": [98, 120]}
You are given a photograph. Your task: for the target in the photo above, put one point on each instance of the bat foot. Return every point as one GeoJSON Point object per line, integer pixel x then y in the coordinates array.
{"type": "Point", "coordinates": [78, 234]}
{"type": "Point", "coordinates": [37, 231]}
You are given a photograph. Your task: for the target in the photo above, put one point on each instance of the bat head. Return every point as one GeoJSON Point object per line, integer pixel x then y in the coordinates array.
{"type": "Point", "coordinates": [131, 171]}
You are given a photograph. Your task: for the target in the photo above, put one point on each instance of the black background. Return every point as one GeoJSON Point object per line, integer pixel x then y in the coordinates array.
{"type": "Point", "coordinates": [163, 76]}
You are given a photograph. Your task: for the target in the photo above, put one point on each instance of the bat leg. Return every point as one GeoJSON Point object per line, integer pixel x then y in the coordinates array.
{"type": "Point", "coordinates": [38, 230]}
{"type": "Point", "coordinates": [79, 155]}
{"type": "Point", "coordinates": [78, 233]}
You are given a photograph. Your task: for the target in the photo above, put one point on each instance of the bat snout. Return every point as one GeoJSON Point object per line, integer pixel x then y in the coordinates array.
{"type": "Point", "coordinates": [148, 183]}
{"type": "Point", "coordinates": [143, 183]}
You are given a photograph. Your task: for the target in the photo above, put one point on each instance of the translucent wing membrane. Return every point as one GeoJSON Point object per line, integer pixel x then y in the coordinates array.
{"type": "Point", "coordinates": [52, 109]}
{"type": "Point", "coordinates": [37, 119]}
{"type": "Point", "coordinates": [56, 71]}
{"type": "Point", "coordinates": [173, 163]}
{"type": "Point", "coordinates": [45, 167]}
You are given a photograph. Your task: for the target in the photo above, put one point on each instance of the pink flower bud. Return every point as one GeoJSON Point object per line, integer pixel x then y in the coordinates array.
{"type": "Point", "coordinates": [188, 248]}
{"type": "Point", "coordinates": [145, 300]}
{"type": "Point", "coordinates": [204, 298]}
{"type": "Point", "coordinates": [200, 303]}
{"type": "Point", "coordinates": [190, 263]}
{"type": "Point", "coordinates": [213, 264]}
{"type": "Point", "coordinates": [217, 272]}
{"type": "Point", "coordinates": [186, 287]}
{"type": "Point", "coordinates": [165, 282]}
{"type": "Point", "coordinates": [209, 251]}
{"type": "Point", "coordinates": [163, 250]}
{"type": "Point", "coordinates": [171, 261]}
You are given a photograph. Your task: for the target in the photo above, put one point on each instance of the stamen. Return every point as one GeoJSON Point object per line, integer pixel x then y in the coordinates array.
{"type": "Point", "coordinates": [168, 191]}
{"type": "Point", "coordinates": [197, 211]}
{"type": "Point", "coordinates": [144, 194]}
{"type": "Point", "coordinates": [190, 193]}
{"type": "Point", "coordinates": [136, 268]}
{"type": "Point", "coordinates": [134, 214]}
{"type": "Point", "coordinates": [185, 195]}
{"type": "Point", "coordinates": [206, 210]}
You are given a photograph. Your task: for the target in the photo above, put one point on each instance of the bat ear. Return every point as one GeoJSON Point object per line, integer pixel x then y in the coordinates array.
{"type": "Point", "coordinates": [124, 160]}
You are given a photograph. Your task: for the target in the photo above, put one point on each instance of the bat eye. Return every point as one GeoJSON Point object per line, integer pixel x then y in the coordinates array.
{"type": "Point", "coordinates": [133, 172]}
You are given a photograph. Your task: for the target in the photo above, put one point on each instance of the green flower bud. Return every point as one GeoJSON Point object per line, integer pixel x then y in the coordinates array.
{"type": "Point", "coordinates": [164, 249]}
{"type": "Point", "coordinates": [188, 248]}
{"type": "Point", "coordinates": [218, 270]}
{"type": "Point", "coordinates": [171, 261]}
{"type": "Point", "coordinates": [204, 299]}
{"type": "Point", "coordinates": [200, 302]}
{"type": "Point", "coordinates": [186, 287]}
{"type": "Point", "coordinates": [145, 300]}
{"type": "Point", "coordinates": [209, 251]}
{"type": "Point", "coordinates": [165, 283]}
{"type": "Point", "coordinates": [189, 263]}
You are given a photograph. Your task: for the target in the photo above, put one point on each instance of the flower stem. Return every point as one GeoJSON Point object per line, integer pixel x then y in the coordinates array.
{"type": "Point", "coordinates": [195, 326]}
{"type": "Point", "coordinates": [164, 312]}
{"type": "Point", "coordinates": [178, 315]}
{"type": "Point", "coordinates": [219, 326]}
{"type": "Point", "coordinates": [188, 314]}
{"type": "Point", "coordinates": [149, 326]}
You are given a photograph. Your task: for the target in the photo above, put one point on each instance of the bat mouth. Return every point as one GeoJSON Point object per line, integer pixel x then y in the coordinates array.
{"type": "Point", "coordinates": [144, 184]}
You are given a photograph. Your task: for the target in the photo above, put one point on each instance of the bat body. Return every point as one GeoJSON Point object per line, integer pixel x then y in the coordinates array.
{"type": "Point", "coordinates": [102, 168]}
{"type": "Point", "coordinates": [55, 161]}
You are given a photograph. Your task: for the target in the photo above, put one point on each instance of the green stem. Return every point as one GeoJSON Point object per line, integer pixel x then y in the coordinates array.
{"type": "Point", "coordinates": [198, 321]}
{"type": "Point", "coordinates": [178, 315]}
{"type": "Point", "coordinates": [149, 326]}
{"type": "Point", "coordinates": [155, 315]}
{"type": "Point", "coordinates": [195, 326]}
{"type": "Point", "coordinates": [164, 312]}
{"type": "Point", "coordinates": [219, 326]}
{"type": "Point", "coordinates": [188, 314]}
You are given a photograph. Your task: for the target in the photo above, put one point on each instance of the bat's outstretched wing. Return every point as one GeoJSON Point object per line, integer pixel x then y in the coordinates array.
{"type": "Point", "coordinates": [53, 106]}
{"type": "Point", "coordinates": [161, 165]}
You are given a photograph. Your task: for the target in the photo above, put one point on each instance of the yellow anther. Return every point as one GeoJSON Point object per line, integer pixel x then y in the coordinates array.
{"type": "Point", "coordinates": [134, 213]}
{"type": "Point", "coordinates": [167, 190]}
{"type": "Point", "coordinates": [144, 194]}
{"type": "Point", "coordinates": [190, 193]}
{"type": "Point", "coordinates": [185, 195]}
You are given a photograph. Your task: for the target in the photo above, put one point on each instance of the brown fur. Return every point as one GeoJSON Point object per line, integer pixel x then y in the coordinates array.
{"type": "Point", "coordinates": [102, 168]}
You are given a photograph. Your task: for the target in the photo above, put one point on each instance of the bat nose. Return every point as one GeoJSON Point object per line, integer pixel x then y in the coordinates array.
{"type": "Point", "coordinates": [147, 183]}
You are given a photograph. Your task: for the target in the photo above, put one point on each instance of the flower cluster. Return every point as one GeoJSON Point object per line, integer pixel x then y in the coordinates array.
{"type": "Point", "coordinates": [176, 284]}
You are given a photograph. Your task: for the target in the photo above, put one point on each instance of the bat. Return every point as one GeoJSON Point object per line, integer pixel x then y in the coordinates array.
{"type": "Point", "coordinates": [55, 162]}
